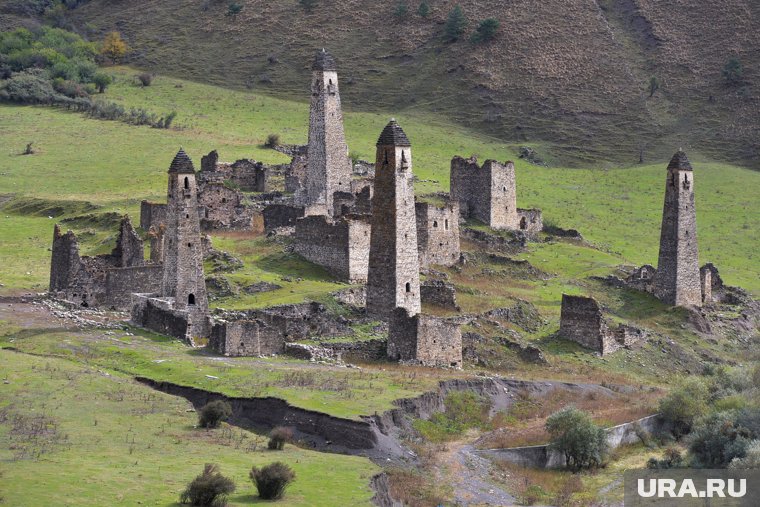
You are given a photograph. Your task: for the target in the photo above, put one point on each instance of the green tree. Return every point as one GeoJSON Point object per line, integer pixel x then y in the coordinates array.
{"type": "Point", "coordinates": [575, 435]}
{"type": "Point", "coordinates": [654, 85]}
{"type": "Point", "coordinates": [101, 80]}
{"type": "Point", "coordinates": [684, 404]}
{"type": "Point", "coordinates": [733, 71]}
{"type": "Point", "coordinates": [717, 439]}
{"type": "Point", "coordinates": [233, 9]}
{"type": "Point", "coordinates": [114, 48]}
{"type": "Point", "coordinates": [401, 9]}
{"type": "Point", "coordinates": [486, 30]}
{"type": "Point", "coordinates": [424, 9]}
{"type": "Point", "coordinates": [455, 24]}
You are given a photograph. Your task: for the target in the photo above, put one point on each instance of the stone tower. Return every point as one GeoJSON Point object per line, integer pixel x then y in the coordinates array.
{"type": "Point", "coordinates": [487, 193]}
{"type": "Point", "coordinates": [329, 168]}
{"type": "Point", "coordinates": [393, 280]}
{"type": "Point", "coordinates": [678, 281]}
{"type": "Point", "coordinates": [183, 257]}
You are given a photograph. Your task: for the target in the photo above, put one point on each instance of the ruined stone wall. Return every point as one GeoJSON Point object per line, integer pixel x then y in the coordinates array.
{"type": "Point", "coordinates": [530, 220]}
{"type": "Point", "coordinates": [393, 278]}
{"type": "Point", "coordinates": [246, 338]}
{"type": "Point", "coordinates": [129, 250]}
{"type": "Point", "coordinates": [247, 175]}
{"type": "Point", "coordinates": [424, 340]}
{"type": "Point", "coordinates": [341, 246]}
{"type": "Point", "coordinates": [582, 321]}
{"type": "Point", "coordinates": [487, 193]}
{"type": "Point", "coordinates": [157, 315]}
{"type": "Point", "coordinates": [121, 283]}
{"type": "Point", "coordinates": [439, 293]}
{"type": "Point", "coordinates": [222, 207]}
{"type": "Point", "coordinates": [437, 234]}
{"type": "Point", "coordinates": [678, 279]}
{"type": "Point", "coordinates": [281, 215]}
{"type": "Point", "coordinates": [152, 214]}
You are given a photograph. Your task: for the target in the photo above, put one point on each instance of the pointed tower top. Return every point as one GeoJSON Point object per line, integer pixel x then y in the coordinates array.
{"type": "Point", "coordinates": [182, 164]}
{"type": "Point", "coordinates": [324, 61]}
{"type": "Point", "coordinates": [393, 135]}
{"type": "Point", "coordinates": [679, 162]}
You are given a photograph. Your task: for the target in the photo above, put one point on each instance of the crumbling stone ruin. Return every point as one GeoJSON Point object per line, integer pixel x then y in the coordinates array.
{"type": "Point", "coordinates": [489, 193]}
{"type": "Point", "coordinates": [328, 166]}
{"type": "Point", "coordinates": [340, 245]}
{"type": "Point", "coordinates": [582, 321]}
{"type": "Point", "coordinates": [102, 280]}
{"type": "Point", "coordinates": [425, 340]}
{"type": "Point", "coordinates": [678, 282]}
{"type": "Point", "coordinates": [245, 175]}
{"type": "Point", "coordinates": [437, 233]}
{"type": "Point", "coordinates": [180, 307]}
{"type": "Point", "coordinates": [393, 278]}
{"type": "Point", "coordinates": [439, 293]}
{"type": "Point", "coordinates": [152, 214]}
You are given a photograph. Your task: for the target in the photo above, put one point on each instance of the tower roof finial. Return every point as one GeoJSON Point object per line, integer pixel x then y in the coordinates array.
{"type": "Point", "coordinates": [182, 163]}
{"type": "Point", "coordinates": [393, 135]}
{"type": "Point", "coordinates": [324, 61]}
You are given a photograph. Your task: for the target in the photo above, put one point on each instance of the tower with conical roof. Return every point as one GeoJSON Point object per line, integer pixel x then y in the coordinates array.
{"type": "Point", "coordinates": [183, 277]}
{"type": "Point", "coordinates": [678, 281]}
{"type": "Point", "coordinates": [329, 168]}
{"type": "Point", "coordinates": [393, 279]}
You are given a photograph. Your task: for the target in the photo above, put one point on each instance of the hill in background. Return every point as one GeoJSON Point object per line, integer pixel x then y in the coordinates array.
{"type": "Point", "coordinates": [569, 78]}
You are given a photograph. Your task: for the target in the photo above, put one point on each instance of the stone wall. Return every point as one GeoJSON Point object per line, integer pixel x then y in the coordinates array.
{"type": "Point", "coordinates": [439, 293]}
{"type": "Point", "coordinates": [281, 215]}
{"type": "Point", "coordinates": [437, 233]}
{"type": "Point", "coordinates": [121, 283]}
{"type": "Point", "coordinates": [425, 340]}
{"type": "Point", "coordinates": [341, 246]}
{"type": "Point", "coordinates": [222, 207]}
{"type": "Point", "coordinates": [246, 338]}
{"type": "Point", "coordinates": [582, 321]}
{"type": "Point", "coordinates": [370, 350]}
{"type": "Point", "coordinates": [152, 214]}
{"type": "Point", "coordinates": [129, 249]}
{"type": "Point", "coordinates": [487, 193]}
{"type": "Point", "coordinates": [530, 220]}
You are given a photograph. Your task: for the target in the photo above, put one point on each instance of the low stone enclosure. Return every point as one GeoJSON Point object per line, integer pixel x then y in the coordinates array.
{"type": "Point", "coordinates": [543, 456]}
{"type": "Point", "coordinates": [582, 321]}
{"type": "Point", "coordinates": [713, 289]}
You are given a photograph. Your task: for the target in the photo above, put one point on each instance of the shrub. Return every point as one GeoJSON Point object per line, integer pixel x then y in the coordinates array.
{"type": "Point", "coordinates": [273, 140]}
{"type": "Point", "coordinates": [463, 410]}
{"type": "Point", "coordinates": [209, 489]}
{"type": "Point", "coordinates": [28, 150]}
{"type": "Point", "coordinates": [574, 434]}
{"type": "Point", "coordinates": [717, 440]}
{"type": "Point", "coordinates": [213, 413]}
{"type": "Point", "coordinates": [733, 71]}
{"type": "Point", "coordinates": [308, 5]}
{"type": "Point", "coordinates": [401, 9]}
{"type": "Point", "coordinates": [684, 404]}
{"type": "Point", "coordinates": [672, 459]}
{"type": "Point", "coordinates": [278, 437]}
{"type": "Point", "coordinates": [455, 24]}
{"type": "Point", "coordinates": [424, 9]}
{"type": "Point", "coordinates": [30, 87]}
{"type": "Point", "coordinates": [486, 30]}
{"type": "Point", "coordinates": [233, 9]}
{"type": "Point", "coordinates": [751, 458]}
{"type": "Point", "coordinates": [101, 80]}
{"type": "Point", "coordinates": [654, 85]}
{"type": "Point", "coordinates": [145, 78]}
{"type": "Point", "coordinates": [272, 480]}
{"type": "Point", "coordinates": [114, 48]}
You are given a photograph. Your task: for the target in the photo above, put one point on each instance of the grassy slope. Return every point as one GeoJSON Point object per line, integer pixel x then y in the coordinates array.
{"type": "Point", "coordinates": [120, 443]}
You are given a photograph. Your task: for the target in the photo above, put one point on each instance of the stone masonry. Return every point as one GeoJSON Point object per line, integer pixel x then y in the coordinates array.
{"type": "Point", "coordinates": [678, 279]}
{"type": "Point", "coordinates": [340, 245]}
{"type": "Point", "coordinates": [425, 340]}
{"type": "Point", "coordinates": [393, 278]}
{"type": "Point", "coordinates": [582, 321]}
{"type": "Point", "coordinates": [437, 233]}
{"type": "Point", "coordinates": [329, 168]}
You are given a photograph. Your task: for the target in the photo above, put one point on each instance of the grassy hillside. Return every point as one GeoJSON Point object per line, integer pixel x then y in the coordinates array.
{"type": "Point", "coordinates": [567, 77]}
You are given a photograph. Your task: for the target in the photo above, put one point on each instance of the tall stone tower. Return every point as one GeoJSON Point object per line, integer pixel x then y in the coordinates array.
{"type": "Point", "coordinates": [678, 281]}
{"type": "Point", "coordinates": [329, 168]}
{"type": "Point", "coordinates": [183, 257]}
{"type": "Point", "coordinates": [393, 280]}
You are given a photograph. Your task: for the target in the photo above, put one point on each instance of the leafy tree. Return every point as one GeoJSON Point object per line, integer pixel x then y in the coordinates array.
{"type": "Point", "coordinates": [213, 413]}
{"type": "Point", "coordinates": [455, 23]}
{"type": "Point", "coordinates": [101, 80]}
{"type": "Point", "coordinates": [684, 404]}
{"type": "Point", "coordinates": [424, 9]}
{"type": "Point", "coordinates": [654, 85]}
{"type": "Point", "coordinates": [233, 9]}
{"type": "Point", "coordinates": [486, 30]}
{"type": "Point", "coordinates": [574, 434]}
{"type": "Point", "coordinates": [733, 71]}
{"type": "Point", "coordinates": [401, 9]}
{"type": "Point", "coordinates": [114, 48]}
{"type": "Point", "coordinates": [717, 439]}
{"type": "Point", "coordinates": [308, 5]}
{"type": "Point", "coordinates": [209, 489]}
{"type": "Point", "coordinates": [272, 480]}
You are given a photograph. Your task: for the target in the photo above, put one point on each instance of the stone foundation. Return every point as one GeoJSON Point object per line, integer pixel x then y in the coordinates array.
{"type": "Point", "coordinates": [424, 340]}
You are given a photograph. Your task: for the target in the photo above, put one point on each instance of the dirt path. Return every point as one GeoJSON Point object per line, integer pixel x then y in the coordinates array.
{"type": "Point", "coordinates": [470, 476]}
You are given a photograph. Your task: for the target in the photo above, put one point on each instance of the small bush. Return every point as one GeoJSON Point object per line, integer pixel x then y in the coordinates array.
{"type": "Point", "coordinates": [145, 78]}
{"type": "Point", "coordinates": [424, 9]}
{"type": "Point", "coordinates": [574, 434]}
{"type": "Point", "coordinates": [278, 437]}
{"type": "Point", "coordinates": [750, 460]}
{"type": "Point", "coordinates": [733, 71]}
{"type": "Point", "coordinates": [672, 459]}
{"type": "Point", "coordinates": [273, 140]}
{"type": "Point", "coordinates": [28, 150]}
{"type": "Point", "coordinates": [684, 404]}
{"type": "Point", "coordinates": [233, 9]}
{"type": "Point", "coordinates": [209, 489]}
{"type": "Point", "coordinates": [401, 9]}
{"type": "Point", "coordinates": [455, 24]}
{"type": "Point", "coordinates": [717, 439]}
{"type": "Point", "coordinates": [272, 480]}
{"type": "Point", "coordinates": [213, 413]}
{"type": "Point", "coordinates": [308, 5]}
{"type": "Point", "coordinates": [486, 30]}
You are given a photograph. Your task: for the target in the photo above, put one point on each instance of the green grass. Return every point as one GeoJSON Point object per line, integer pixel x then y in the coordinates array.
{"type": "Point", "coordinates": [112, 441]}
